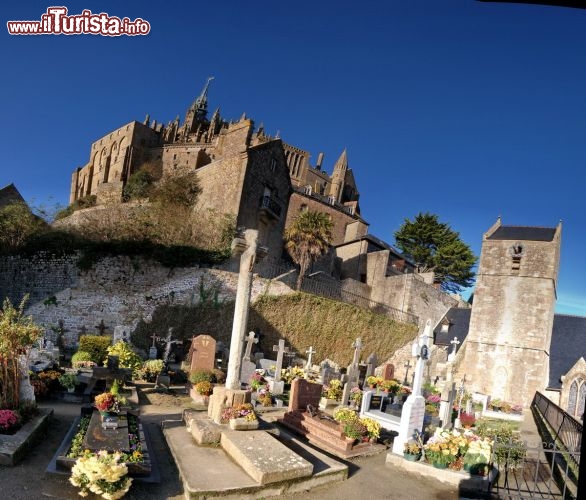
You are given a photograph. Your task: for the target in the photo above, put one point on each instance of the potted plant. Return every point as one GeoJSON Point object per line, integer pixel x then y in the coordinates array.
{"type": "Point", "coordinates": [372, 381]}
{"type": "Point", "coordinates": [356, 397]}
{"type": "Point", "coordinates": [240, 417]}
{"type": "Point", "coordinates": [354, 430]}
{"type": "Point", "coordinates": [204, 388]}
{"type": "Point", "coordinates": [389, 386]}
{"type": "Point", "coordinates": [68, 380]}
{"type": "Point", "coordinates": [412, 451]}
{"type": "Point", "coordinates": [372, 428]}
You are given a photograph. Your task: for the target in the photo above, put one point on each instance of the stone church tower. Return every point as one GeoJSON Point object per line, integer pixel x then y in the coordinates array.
{"type": "Point", "coordinates": [506, 353]}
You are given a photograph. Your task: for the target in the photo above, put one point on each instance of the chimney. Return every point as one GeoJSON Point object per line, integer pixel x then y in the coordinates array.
{"type": "Point", "coordinates": [320, 159]}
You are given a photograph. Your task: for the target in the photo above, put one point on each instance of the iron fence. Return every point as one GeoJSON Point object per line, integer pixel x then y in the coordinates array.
{"type": "Point", "coordinates": [324, 286]}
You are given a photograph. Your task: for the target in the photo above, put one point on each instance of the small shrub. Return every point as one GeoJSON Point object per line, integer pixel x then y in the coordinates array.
{"type": "Point", "coordinates": [68, 380]}
{"type": "Point", "coordinates": [197, 376]}
{"type": "Point", "coordinates": [126, 356]}
{"type": "Point", "coordinates": [96, 346]}
{"type": "Point", "coordinates": [151, 369]}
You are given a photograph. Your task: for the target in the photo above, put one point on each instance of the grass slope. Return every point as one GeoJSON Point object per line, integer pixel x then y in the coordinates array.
{"type": "Point", "coordinates": [301, 319]}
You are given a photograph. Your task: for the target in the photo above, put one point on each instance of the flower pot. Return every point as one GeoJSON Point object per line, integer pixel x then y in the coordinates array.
{"type": "Point", "coordinates": [439, 465]}
{"type": "Point", "coordinates": [71, 389]}
{"type": "Point", "coordinates": [411, 457]}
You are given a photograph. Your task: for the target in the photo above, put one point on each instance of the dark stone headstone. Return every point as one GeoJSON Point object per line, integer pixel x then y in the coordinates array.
{"type": "Point", "coordinates": [113, 363]}
{"type": "Point", "coordinates": [203, 350]}
{"type": "Point", "coordinates": [97, 438]}
{"type": "Point", "coordinates": [376, 402]}
{"type": "Point", "coordinates": [304, 393]}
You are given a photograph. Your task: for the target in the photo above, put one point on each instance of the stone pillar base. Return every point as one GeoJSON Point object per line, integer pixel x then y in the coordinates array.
{"type": "Point", "coordinates": [222, 397]}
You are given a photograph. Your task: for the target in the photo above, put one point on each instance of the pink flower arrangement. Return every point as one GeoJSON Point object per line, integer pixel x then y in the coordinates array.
{"type": "Point", "coordinates": [9, 420]}
{"type": "Point", "coordinates": [434, 398]}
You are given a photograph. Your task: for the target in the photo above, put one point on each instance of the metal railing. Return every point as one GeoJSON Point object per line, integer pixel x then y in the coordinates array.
{"type": "Point", "coordinates": [565, 430]}
{"type": "Point", "coordinates": [333, 289]}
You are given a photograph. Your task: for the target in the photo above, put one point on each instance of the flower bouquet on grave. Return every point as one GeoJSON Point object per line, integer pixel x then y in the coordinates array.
{"type": "Point", "coordinates": [101, 473]}
{"type": "Point", "coordinates": [333, 390]}
{"type": "Point", "coordinates": [389, 386]}
{"type": "Point", "coordinates": [373, 381]}
{"type": "Point", "coordinates": [257, 381]}
{"type": "Point", "coordinates": [107, 404]}
{"type": "Point", "coordinates": [356, 396]}
{"type": "Point", "coordinates": [372, 428]}
{"type": "Point", "coordinates": [342, 415]}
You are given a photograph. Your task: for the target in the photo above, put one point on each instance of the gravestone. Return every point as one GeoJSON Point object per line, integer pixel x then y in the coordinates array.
{"type": "Point", "coordinates": [371, 363]}
{"type": "Point", "coordinates": [26, 390]}
{"type": "Point", "coordinates": [388, 371]}
{"type": "Point", "coordinates": [247, 367]}
{"type": "Point", "coordinates": [304, 393]}
{"type": "Point", "coordinates": [277, 386]}
{"type": "Point", "coordinates": [267, 365]}
{"type": "Point", "coordinates": [121, 333]}
{"type": "Point", "coordinates": [203, 351]}
{"type": "Point", "coordinates": [257, 357]}
{"type": "Point", "coordinates": [376, 402]}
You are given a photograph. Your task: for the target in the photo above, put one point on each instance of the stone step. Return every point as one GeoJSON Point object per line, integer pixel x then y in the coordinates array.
{"type": "Point", "coordinates": [264, 458]}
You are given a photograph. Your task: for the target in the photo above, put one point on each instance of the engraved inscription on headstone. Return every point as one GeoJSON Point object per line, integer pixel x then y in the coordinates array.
{"type": "Point", "coordinates": [203, 350]}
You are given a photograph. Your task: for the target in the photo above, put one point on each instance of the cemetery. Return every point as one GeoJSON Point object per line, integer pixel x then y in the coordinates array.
{"type": "Point", "coordinates": [257, 424]}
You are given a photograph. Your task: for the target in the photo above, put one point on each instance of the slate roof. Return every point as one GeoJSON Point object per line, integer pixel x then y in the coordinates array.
{"type": "Point", "coordinates": [9, 194]}
{"type": "Point", "coordinates": [459, 322]}
{"type": "Point", "coordinates": [568, 344]}
{"type": "Point", "coordinates": [526, 233]}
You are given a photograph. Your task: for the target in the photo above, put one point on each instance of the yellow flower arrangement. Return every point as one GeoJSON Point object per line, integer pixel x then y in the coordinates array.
{"type": "Point", "coordinates": [372, 426]}
{"type": "Point", "coordinates": [101, 473]}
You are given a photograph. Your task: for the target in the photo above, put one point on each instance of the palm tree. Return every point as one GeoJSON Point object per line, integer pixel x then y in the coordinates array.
{"type": "Point", "coordinates": [307, 239]}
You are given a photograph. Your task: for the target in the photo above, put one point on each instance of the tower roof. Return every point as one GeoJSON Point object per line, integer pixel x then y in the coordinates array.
{"type": "Point", "coordinates": [526, 233]}
{"type": "Point", "coordinates": [342, 161]}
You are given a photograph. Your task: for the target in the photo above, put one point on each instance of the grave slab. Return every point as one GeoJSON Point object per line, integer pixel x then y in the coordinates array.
{"type": "Point", "coordinates": [264, 459]}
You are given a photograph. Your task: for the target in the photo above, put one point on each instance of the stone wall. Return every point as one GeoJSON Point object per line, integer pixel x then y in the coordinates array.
{"type": "Point", "coordinates": [40, 276]}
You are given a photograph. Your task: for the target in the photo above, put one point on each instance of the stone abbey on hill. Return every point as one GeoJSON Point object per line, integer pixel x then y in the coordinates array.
{"type": "Point", "coordinates": [260, 179]}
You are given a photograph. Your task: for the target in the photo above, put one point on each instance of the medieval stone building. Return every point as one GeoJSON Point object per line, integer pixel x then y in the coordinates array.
{"type": "Point", "coordinates": [242, 171]}
{"type": "Point", "coordinates": [511, 342]}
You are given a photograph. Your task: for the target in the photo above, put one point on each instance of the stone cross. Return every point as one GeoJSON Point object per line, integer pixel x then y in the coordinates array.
{"type": "Point", "coordinates": [168, 344]}
{"type": "Point", "coordinates": [310, 354]}
{"type": "Point", "coordinates": [101, 327]}
{"type": "Point", "coordinates": [280, 350]}
{"type": "Point", "coordinates": [250, 339]}
{"type": "Point", "coordinates": [407, 366]}
{"type": "Point", "coordinates": [421, 350]}
{"type": "Point", "coordinates": [357, 345]}
{"type": "Point", "coordinates": [455, 343]}
{"type": "Point", "coordinates": [247, 245]}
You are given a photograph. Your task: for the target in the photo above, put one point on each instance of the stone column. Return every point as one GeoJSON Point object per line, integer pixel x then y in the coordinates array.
{"type": "Point", "coordinates": [247, 260]}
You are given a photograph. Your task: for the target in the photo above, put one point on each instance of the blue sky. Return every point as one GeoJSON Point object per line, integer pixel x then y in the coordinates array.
{"type": "Point", "coordinates": [465, 109]}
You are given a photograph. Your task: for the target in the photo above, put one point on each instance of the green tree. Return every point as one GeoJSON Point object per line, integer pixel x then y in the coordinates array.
{"type": "Point", "coordinates": [434, 246]}
{"type": "Point", "coordinates": [17, 224]}
{"type": "Point", "coordinates": [140, 183]}
{"type": "Point", "coordinates": [307, 239]}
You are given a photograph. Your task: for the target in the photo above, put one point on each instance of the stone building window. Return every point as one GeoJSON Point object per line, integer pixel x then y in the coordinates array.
{"type": "Point", "coordinates": [516, 251]}
{"type": "Point", "coordinates": [576, 398]}
{"type": "Point", "coordinates": [273, 164]}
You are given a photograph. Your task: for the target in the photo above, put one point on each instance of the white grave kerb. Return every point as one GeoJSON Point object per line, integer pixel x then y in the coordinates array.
{"type": "Point", "coordinates": [414, 407]}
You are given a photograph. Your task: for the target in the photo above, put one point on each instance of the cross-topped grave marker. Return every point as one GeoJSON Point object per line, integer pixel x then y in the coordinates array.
{"type": "Point", "coordinates": [358, 346]}
{"type": "Point", "coordinates": [250, 339]}
{"type": "Point", "coordinates": [407, 366]}
{"type": "Point", "coordinates": [454, 343]}
{"type": "Point", "coordinates": [280, 349]}
{"type": "Point", "coordinates": [310, 352]}
{"type": "Point", "coordinates": [101, 327]}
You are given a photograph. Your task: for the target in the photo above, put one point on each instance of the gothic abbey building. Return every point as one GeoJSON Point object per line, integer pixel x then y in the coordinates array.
{"type": "Point", "coordinates": [260, 179]}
